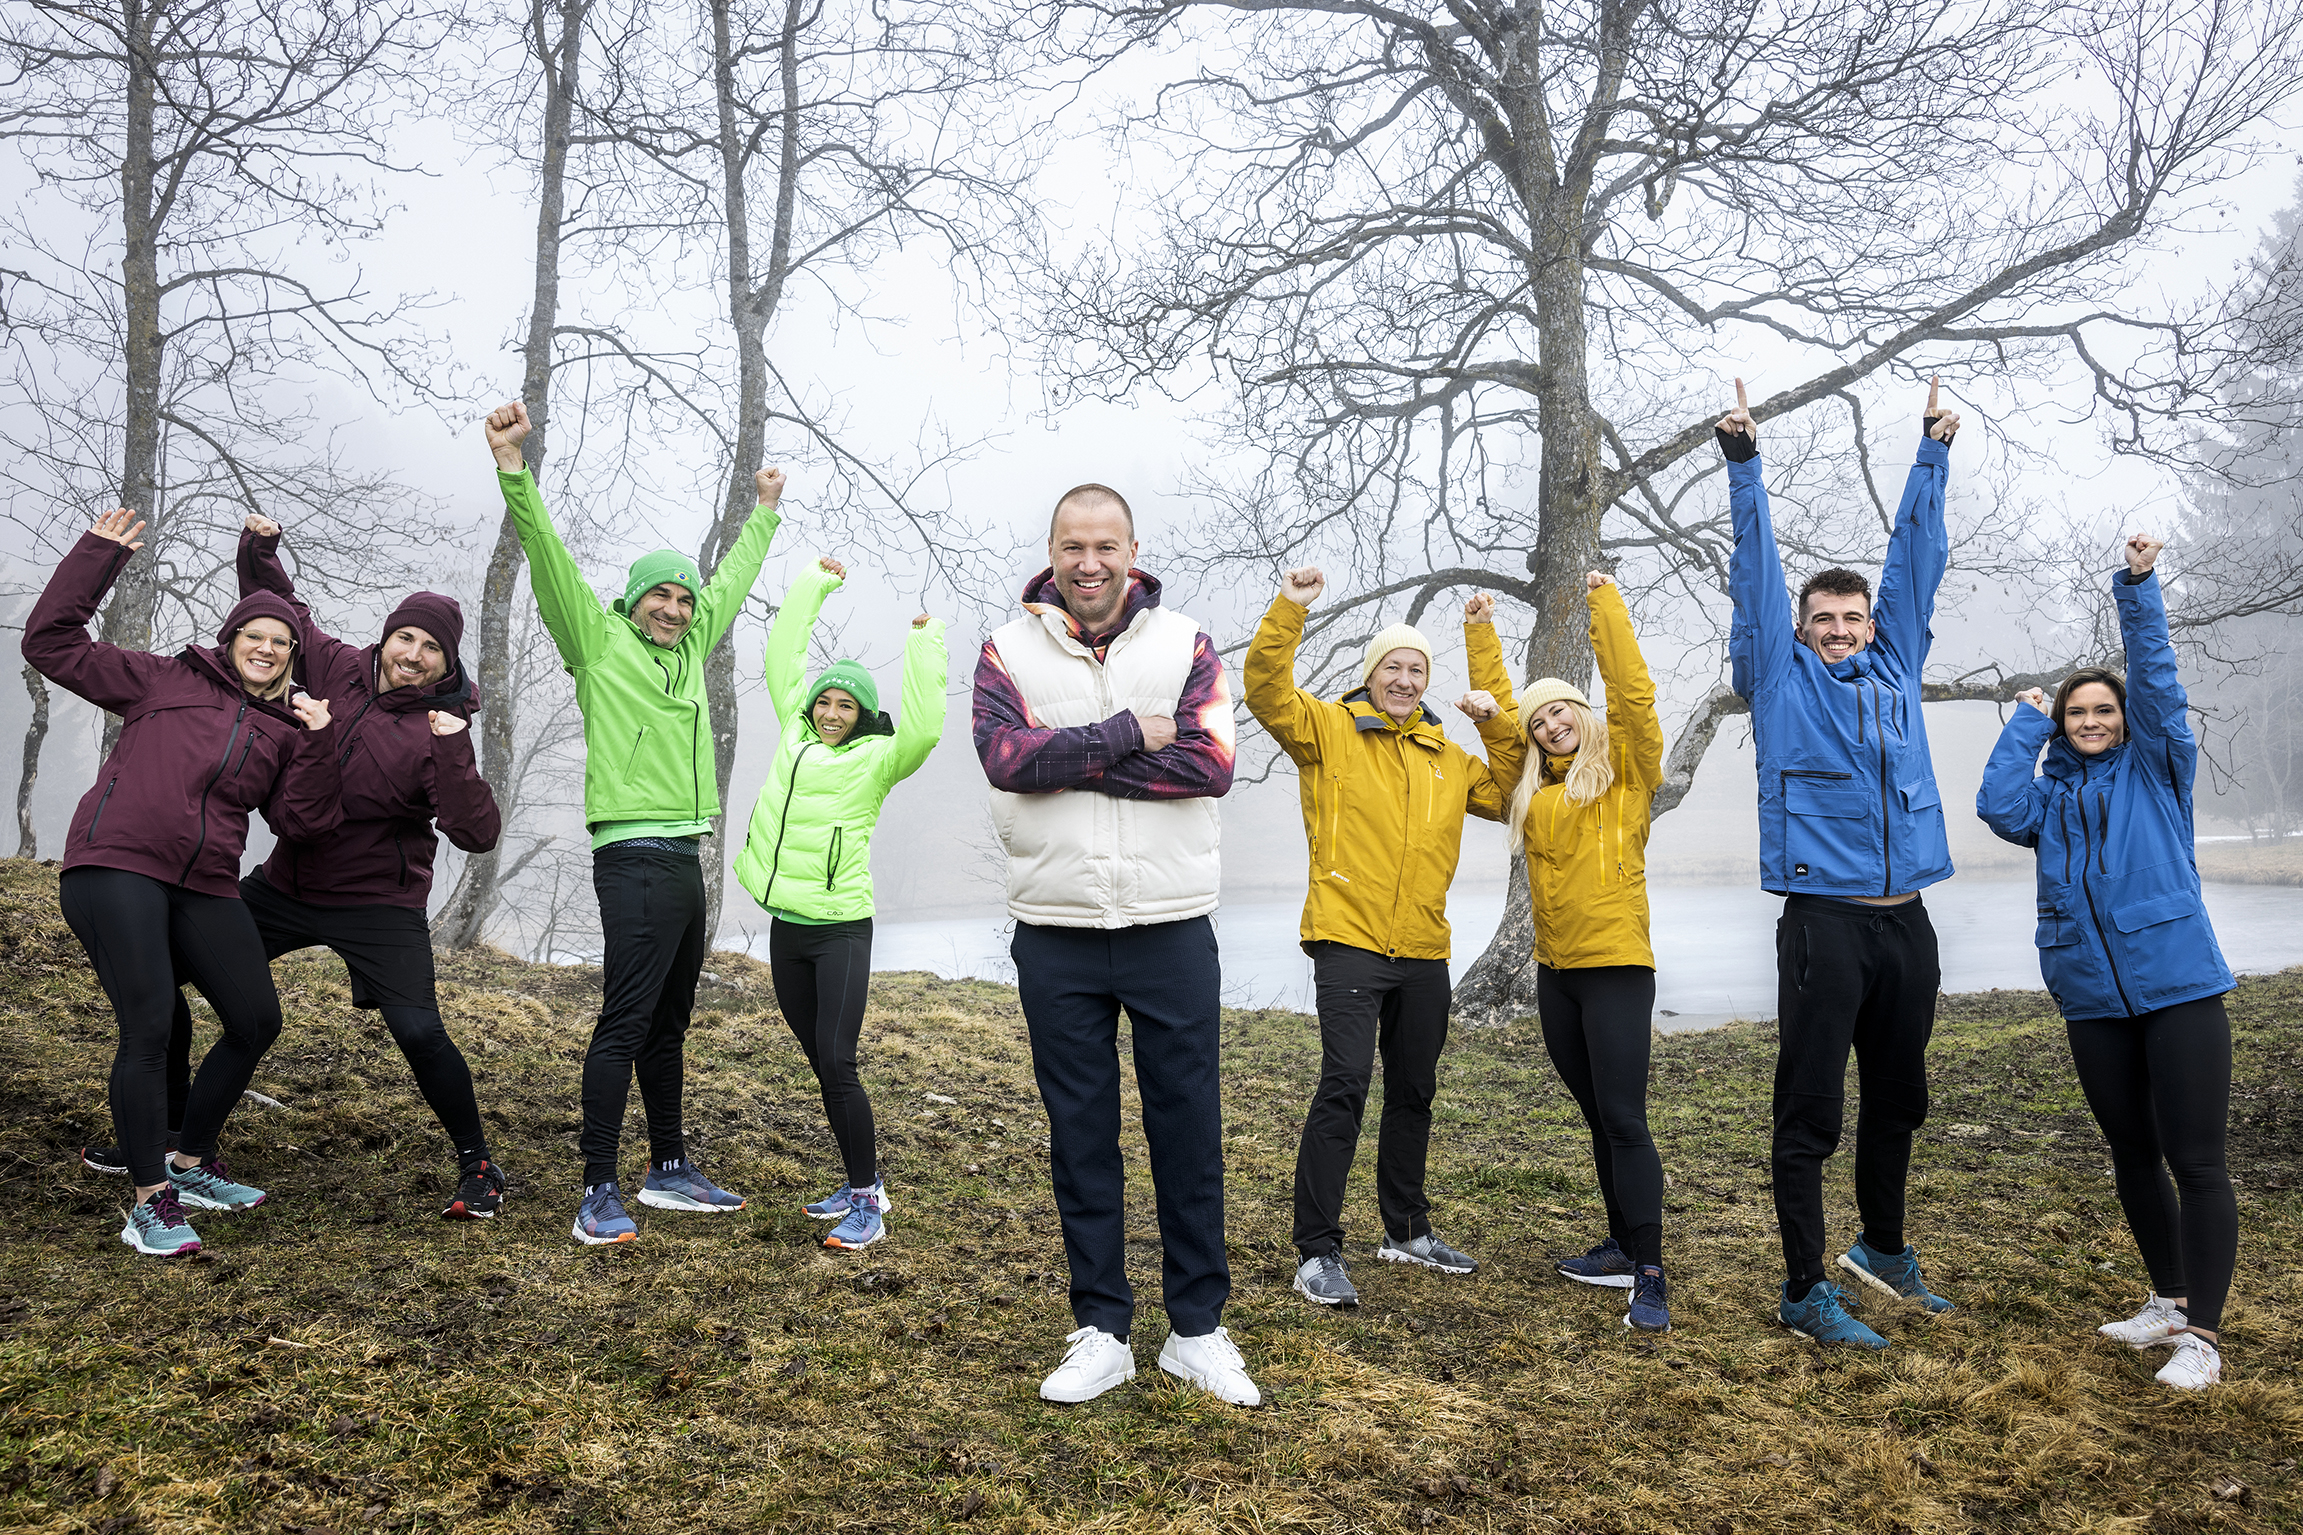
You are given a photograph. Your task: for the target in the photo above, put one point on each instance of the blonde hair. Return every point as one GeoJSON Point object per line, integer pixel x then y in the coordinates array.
{"type": "Point", "coordinates": [1588, 775]}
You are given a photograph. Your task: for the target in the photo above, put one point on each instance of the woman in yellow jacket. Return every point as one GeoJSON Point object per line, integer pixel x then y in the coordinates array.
{"type": "Point", "coordinates": [1582, 815]}
{"type": "Point", "coordinates": [1384, 796]}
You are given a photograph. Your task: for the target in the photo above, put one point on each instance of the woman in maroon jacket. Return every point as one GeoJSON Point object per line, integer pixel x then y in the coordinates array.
{"type": "Point", "coordinates": [405, 754]}
{"type": "Point", "coordinates": [150, 883]}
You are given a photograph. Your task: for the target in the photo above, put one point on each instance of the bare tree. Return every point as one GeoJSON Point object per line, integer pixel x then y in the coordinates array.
{"type": "Point", "coordinates": [35, 735]}
{"type": "Point", "coordinates": [1472, 268]}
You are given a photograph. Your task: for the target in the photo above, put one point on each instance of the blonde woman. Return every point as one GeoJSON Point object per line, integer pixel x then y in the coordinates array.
{"type": "Point", "coordinates": [1582, 815]}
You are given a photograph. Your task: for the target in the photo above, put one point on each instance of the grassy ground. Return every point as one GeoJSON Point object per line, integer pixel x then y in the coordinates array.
{"type": "Point", "coordinates": [2253, 863]}
{"type": "Point", "coordinates": [341, 1360]}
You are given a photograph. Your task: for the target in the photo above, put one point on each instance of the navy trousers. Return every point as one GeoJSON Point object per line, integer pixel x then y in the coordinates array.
{"type": "Point", "coordinates": [1074, 981]}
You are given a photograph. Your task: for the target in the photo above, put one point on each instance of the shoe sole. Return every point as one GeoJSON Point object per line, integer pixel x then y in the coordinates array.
{"type": "Point", "coordinates": [1198, 1385]}
{"type": "Point", "coordinates": [1826, 1343]}
{"type": "Point", "coordinates": [128, 1235]}
{"type": "Point", "coordinates": [1325, 1300]}
{"type": "Point", "coordinates": [459, 1211]}
{"type": "Point", "coordinates": [589, 1240]}
{"type": "Point", "coordinates": [1666, 1327]}
{"type": "Point", "coordinates": [1883, 1287]}
{"type": "Point", "coordinates": [887, 1207]}
{"type": "Point", "coordinates": [1604, 1281]}
{"type": "Point", "coordinates": [657, 1199]}
{"type": "Point", "coordinates": [2161, 1341]}
{"type": "Point", "coordinates": [109, 1170]}
{"type": "Point", "coordinates": [203, 1202]}
{"type": "Point", "coordinates": [1074, 1401]}
{"type": "Point", "coordinates": [1395, 1255]}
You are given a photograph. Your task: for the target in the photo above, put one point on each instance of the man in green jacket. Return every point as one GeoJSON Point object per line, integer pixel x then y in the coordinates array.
{"type": "Point", "coordinates": [650, 792]}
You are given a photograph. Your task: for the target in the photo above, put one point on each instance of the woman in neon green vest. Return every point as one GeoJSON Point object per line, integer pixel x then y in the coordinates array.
{"type": "Point", "coordinates": [807, 860]}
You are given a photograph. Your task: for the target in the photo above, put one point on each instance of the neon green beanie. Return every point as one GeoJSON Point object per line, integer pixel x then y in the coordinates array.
{"type": "Point", "coordinates": [850, 678]}
{"type": "Point", "coordinates": [650, 571]}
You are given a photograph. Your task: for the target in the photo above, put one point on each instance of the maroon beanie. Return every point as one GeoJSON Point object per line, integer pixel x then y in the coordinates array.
{"type": "Point", "coordinates": [436, 615]}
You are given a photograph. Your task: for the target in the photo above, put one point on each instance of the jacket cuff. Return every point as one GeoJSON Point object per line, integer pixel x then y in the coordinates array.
{"type": "Point", "coordinates": [2125, 577]}
{"type": "Point", "coordinates": [1740, 449]}
{"type": "Point", "coordinates": [1933, 452]}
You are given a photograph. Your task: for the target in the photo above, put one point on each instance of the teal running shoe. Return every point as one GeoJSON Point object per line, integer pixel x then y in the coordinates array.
{"type": "Point", "coordinates": [601, 1218]}
{"type": "Point", "coordinates": [210, 1187]}
{"type": "Point", "coordinates": [157, 1227]}
{"type": "Point", "coordinates": [1895, 1274]}
{"type": "Point", "coordinates": [1822, 1318]}
{"type": "Point", "coordinates": [866, 1221]}
{"type": "Point", "coordinates": [677, 1185]}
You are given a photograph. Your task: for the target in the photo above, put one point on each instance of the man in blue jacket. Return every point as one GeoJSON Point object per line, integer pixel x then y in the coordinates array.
{"type": "Point", "coordinates": [1850, 831]}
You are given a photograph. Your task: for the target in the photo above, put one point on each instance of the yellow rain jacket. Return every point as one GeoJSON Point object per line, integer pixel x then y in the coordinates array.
{"type": "Point", "coordinates": [1383, 804]}
{"type": "Point", "coordinates": [1587, 864]}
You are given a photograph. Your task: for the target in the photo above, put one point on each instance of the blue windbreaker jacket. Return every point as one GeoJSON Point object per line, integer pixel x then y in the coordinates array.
{"type": "Point", "coordinates": [2122, 930]}
{"type": "Point", "coordinates": [1847, 797]}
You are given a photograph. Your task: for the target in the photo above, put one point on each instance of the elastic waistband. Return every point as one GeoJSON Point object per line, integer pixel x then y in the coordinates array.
{"type": "Point", "coordinates": [1828, 905]}
{"type": "Point", "coordinates": [693, 847]}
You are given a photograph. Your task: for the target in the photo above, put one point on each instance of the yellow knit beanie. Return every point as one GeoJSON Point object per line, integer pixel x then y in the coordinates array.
{"type": "Point", "coordinates": [1397, 637]}
{"type": "Point", "coordinates": [1548, 690]}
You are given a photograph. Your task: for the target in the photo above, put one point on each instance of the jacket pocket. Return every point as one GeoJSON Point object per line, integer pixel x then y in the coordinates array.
{"type": "Point", "coordinates": [1825, 821]}
{"type": "Point", "coordinates": [2055, 930]}
{"type": "Point", "coordinates": [632, 757]}
{"type": "Point", "coordinates": [98, 818]}
{"type": "Point", "coordinates": [2138, 915]}
{"type": "Point", "coordinates": [832, 860]}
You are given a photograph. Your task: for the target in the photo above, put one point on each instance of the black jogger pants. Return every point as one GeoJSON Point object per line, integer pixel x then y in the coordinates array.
{"type": "Point", "coordinates": [652, 917]}
{"type": "Point", "coordinates": [1598, 1023]}
{"type": "Point", "coordinates": [822, 973]}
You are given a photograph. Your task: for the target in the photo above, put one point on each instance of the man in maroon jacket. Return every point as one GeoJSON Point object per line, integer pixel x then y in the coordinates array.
{"type": "Point", "coordinates": [402, 708]}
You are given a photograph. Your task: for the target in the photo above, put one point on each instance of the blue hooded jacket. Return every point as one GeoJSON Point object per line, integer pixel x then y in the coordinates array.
{"type": "Point", "coordinates": [1847, 797]}
{"type": "Point", "coordinates": [2122, 930]}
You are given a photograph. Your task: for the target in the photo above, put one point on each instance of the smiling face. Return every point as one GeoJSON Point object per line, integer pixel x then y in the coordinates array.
{"type": "Point", "coordinates": [1836, 624]}
{"type": "Point", "coordinates": [1553, 729]}
{"type": "Point", "coordinates": [411, 658]}
{"type": "Point", "coordinates": [1091, 548]}
{"type": "Point", "coordinates": [664, 613]}
{"type": "Point", "coordinates": [261, 649]}
{"type": "Point", "coordinates": [835, 715]}
{"type": "Point", "coordinates": [1397, 683]}
{"type": "Point", "coordinates": [2093, 722]}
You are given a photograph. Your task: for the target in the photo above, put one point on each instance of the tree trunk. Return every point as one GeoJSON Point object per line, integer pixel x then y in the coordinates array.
{"type": "Point", "coordinates": [35, 735]}
{"type": "Point", "coordinates": [463, 920]}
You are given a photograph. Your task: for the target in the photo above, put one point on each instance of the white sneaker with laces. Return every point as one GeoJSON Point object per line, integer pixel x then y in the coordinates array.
{"type": "Point", "coordinates": [2158, 1322]}
{"type": "Point", "coordinates": [2195, 1367]}
{"type": "Point", "coordinates": [1213, 1364]}
{"type": "Point", "coordinates": [1095, 1362]}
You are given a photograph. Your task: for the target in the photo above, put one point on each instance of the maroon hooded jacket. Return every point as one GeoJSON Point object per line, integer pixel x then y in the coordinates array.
{"type": "Point", "coordinates": [197, 751]}
{"type": "Point", "coordinates": [398, 776]}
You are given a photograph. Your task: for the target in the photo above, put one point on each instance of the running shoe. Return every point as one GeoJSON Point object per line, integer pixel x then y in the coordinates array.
{"type": "Point", "coordinates": [479, 1195]}
{"type": "Point", "coordinates": [835, 1205]}
{"type": "Point", "coordinates": [864, 1223]}
{"type": "Point", "coordinates": [157, 1227]}
{"type": "Point", "coordinates": [1607, 1265]}
{"type": "Point", "coordinates": [677, 1185]}
{"type": "Point", "coordinates": [1211, 1362]}
{"type": "Point", "coordinates": [104, 1159]}
{"type": "Point", "coordinates": [1321, 1278]}
{"type": "Point", "coordinates": [1823, 1318]}
{"type": "Point", "coordinates": [1095, 1362]}
{"type": "Point", "coordinates": [600, 1219]}
{"type": "Point", "coordinates": [2195, 1367]}
{"type": "Point", "coordinates": [1650, 1308]}
{"type": "Point", "coordinates": [2158, 1322]}
{"type": "Point", "coordinates": [210, 1187]}
{"type": "Point", "coordinates": [1427, 1250]}
{"type": "Point", "coordinates": [1895, 1274]}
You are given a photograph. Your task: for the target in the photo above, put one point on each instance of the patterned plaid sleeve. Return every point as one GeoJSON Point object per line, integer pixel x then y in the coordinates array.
{"type": "Point", "coordinates": [1023, 756]}
{"type": "Point", "coordinates": [1199, 764]}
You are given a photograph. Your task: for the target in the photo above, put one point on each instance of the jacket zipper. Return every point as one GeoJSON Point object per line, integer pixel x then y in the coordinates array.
{"type": "Point", "coordinates": [832, 868]}
{"type": "Point", "coordinates": [784, 822]}
{"type": "Point", "coordinates": [349, 743]}
{"type": "Point", "coordinates": [2093, 915]}
{"type": "Point", "coordinates": [1886, 821]}
{"type": "Point", "coordinates": [403, 851]}
{"type": "Point", "coordinates": [209, 787]}
{"type": "Point", "coordinates": [246, 748]}
{"type": "Point", "coordinates": [99, 815]}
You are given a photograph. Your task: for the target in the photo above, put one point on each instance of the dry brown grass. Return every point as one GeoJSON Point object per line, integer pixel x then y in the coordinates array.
{"type": "Point", "coordinates": [726, 1374]}
{"type": "Point", "coordinates": [2253, 863]}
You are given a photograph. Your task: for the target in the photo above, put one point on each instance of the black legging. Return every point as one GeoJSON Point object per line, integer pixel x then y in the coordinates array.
{"type": "Point", "coordinates": [141, 936]}
{"type": "Point", "coordinates": [821, 975]}
{"type": "Point", "coordinates": [1597, 1025]}
{"type": "Point", "coordinates": [2159, 1085]}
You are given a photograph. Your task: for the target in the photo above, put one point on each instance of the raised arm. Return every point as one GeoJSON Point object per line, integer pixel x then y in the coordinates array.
{"type": "Point", "coordinates": [1632, 723]}
{"type": "Point", "coordinates": [2010, 800]}
{"type": "Point", "coordinates": [1492, 710]}
{"type": "Point", "coordinates": [1919, 550]}
{"type": "Point", "coordinates": [261, 571]}
{"type": "Point", "coordinates": [1293, 715]}
{"type": "Point", "coordinates": [1022, 756]}
{"type": "Point", "coordinates": [927, 669]}
{"type": "Point", "coordinates": [2158, 710]}
{"type": "Point", "coordinates": [788, 636]}
{"type": "Point", "coordinates": [565, 601]}
{"type": "Point", "coordinates": [723, 596]}
{"type": "Point", "coordinates": [1761, 642]}
{"type": "Point", "coordinates": [56, 638]}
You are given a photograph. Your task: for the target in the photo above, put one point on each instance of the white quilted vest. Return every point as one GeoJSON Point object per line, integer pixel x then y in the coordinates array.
{"type": "Point", "coordinates": [1077, 858]}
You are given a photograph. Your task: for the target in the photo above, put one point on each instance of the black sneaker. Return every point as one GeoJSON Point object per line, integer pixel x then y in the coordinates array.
{"type": "Point", "coordinates": [1650, 1309]}
{"type": "Point", "coordinates": [1606, 1265]}
{"type": "Point", "coordinates": [104, 1159]}
{"type": "Point", "coordinates": [479, 1196]}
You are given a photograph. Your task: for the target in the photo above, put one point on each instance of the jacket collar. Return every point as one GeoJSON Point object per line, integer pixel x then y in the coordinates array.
{"type": "Point", "coordinates": [1042, 598]}
{"type": "Point", "coordinates": [1366, 717]}
{"type": "Point", "coordinates": [2064, 764]}
{"type": "Point", "coordinates": [456, 690]}
{"type": "Point", "coordinates": [211, 663]}
{"type": "Point", "coordinates": [877, 723]}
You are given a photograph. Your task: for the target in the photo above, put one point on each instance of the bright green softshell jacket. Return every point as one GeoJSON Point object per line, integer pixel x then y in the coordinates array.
{"type": "Point", "coordinates": [809, 849]}
{"type": "Point", "coordinates": [647, 729]}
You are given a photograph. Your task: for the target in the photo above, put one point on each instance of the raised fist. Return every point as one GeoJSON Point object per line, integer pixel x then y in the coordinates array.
{"type": "Point", "coordinates": [770, 484]}
{"type": "Point", "coordinates": [1302, 586]}
{"type": "Point", "coordinates": [114, 525]}
{"type": "Point", "coordinates": [261, 526]}
{"type": "Point", "coordinates": [2036, 697]}
{"type": "Point", "coordinates": [921, 622]}
{"type": "Point", "coordinates": [2142, 553]}
{"type": "Point", "coordinates": [1480, 609]}
{"type": "Point", "coordinates": [1479, 706]}
{"type": "Point", "coordinates": [446, 724]}
{"type": "Point", "coordinates": [1593, 580]}
{"type": "Point", "coordinates": [507, 428]}
{"type": "Point", "coordinates": [831, 566]}
{"type": "Point", "coordinates": [312, 711]}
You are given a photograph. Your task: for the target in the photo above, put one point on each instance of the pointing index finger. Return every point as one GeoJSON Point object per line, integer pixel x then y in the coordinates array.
{"type": "Point", "coordinates": [1741, 401]}
{"type": "Point", "coordinates": [1934, 387]}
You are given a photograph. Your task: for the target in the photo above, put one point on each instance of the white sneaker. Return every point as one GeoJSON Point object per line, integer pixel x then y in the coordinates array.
{"type": "Point", "coordinates": [2158, 1322]}
{"type": "Point", "coordinates": [1095, 1362]}
{"type": "Point", "coordinates": [1213, 1364]}
{"type": "Point", "coordinates": [2195, 1367]}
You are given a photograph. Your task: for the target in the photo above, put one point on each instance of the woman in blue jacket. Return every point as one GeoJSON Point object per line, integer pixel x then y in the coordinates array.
{"type": "Point", "coordinates": [2127, 952]}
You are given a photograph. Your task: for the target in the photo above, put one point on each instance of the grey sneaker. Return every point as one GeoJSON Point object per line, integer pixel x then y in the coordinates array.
{"type": "Point", "coordinates": [1321, 1278]}
{"type": "Point", "coordinates": [1427, 1250]}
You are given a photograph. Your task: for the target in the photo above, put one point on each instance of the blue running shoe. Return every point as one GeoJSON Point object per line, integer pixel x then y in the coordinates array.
{"type": "Point", "coordinates": [1823, 1319]}
{"type": "Point", "coordinates": [1650, 1308]}
{"type": "Point", "coordinates": [209, 1187]}
{"type": "Point", "coordinates": [1894, 1274]}
{"type": "Point", "coordinates": [157, 1228]}
{"type": "Point", "coordinates": [677, 1185]}
{"type": "Point", "coordinates": [866, 1221]}
{"type": "Point", "coordinates": [601, 1218]}
{"type": "Point", "coordinates": [1606, 1265]}
{"type": "Point", "coordinates": [835, 1205]}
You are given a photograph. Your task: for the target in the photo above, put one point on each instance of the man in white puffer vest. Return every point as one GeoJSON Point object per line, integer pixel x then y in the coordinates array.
{"type": "Point", "coordinates": [1105, 727]}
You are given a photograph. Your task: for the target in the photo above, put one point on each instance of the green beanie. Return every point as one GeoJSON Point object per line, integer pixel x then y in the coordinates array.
{"type": "Point", "coordinates": [650, 571]}
{"type": "Point", "coordinates": [851, 678]}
